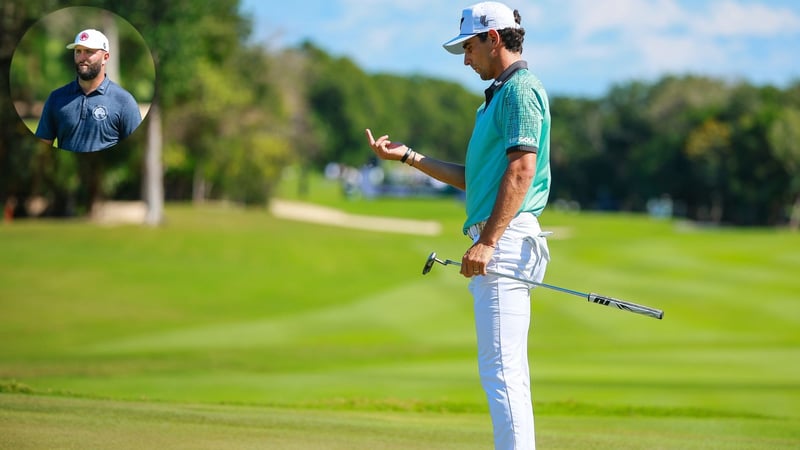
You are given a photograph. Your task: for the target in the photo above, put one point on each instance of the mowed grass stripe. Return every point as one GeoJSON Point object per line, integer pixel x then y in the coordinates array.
{"type": "Point", "coordinates": [333, 324]}
{"type": "Point", "coordinates": [48, 422]}
{"type": "Point", "coordinates": [31, 422]}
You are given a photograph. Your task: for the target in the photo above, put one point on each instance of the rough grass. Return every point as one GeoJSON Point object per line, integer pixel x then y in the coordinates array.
{"type": "Point", "coordinates": [271, 328]}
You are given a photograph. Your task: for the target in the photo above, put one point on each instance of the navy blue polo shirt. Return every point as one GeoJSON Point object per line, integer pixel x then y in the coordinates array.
{"type": "Point", "coordinates": [87, 123]}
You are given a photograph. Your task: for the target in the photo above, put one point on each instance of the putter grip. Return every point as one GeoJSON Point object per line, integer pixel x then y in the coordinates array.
{"type": "Point", "coordinates": [626, 306]}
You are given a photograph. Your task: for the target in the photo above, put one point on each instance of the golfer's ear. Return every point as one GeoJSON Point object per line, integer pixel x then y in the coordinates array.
{"type": "Point", "coordinates": [494, 35]}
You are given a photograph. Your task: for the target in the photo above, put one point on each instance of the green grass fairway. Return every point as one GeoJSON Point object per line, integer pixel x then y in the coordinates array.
{"type": "Point", "coordinates": [34, 422]}
{"type": "Point", "coordinates": [228, 328]}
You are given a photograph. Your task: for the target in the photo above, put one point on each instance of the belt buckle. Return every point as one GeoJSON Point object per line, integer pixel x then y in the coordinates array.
{"type": "Point", "coordinates": [475, 230]}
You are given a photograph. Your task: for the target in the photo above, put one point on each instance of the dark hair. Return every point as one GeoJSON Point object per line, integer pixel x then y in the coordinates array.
{"type": "Point", "coordinates": [512, 37]}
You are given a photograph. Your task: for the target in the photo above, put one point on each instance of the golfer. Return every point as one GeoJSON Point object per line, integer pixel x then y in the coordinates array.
{"type": "Point", "coordinates": [91, 113]}
{"type": "Point", "coordinates": [506, 177]}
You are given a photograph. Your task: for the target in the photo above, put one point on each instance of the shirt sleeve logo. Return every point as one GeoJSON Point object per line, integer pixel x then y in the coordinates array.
{"type": "Point", "coordinates": [524, 140]}
{"type": "Point", "coordinates": [99, 113]}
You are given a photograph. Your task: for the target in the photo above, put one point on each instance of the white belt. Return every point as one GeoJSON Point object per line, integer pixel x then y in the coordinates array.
{"type": "Point", "coordinates": [474, 231]}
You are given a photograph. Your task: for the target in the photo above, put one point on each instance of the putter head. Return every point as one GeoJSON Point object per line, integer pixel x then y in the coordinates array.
{"type": "Point", "coordinates": [429, 263]}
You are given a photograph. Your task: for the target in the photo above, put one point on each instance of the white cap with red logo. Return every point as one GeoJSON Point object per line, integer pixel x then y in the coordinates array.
{"type": "Point", "coordinates": [90, 39]}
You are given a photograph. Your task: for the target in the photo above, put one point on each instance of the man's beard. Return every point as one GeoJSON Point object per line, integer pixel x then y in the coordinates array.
{"type": "Point", "coordinates": [89, 73]}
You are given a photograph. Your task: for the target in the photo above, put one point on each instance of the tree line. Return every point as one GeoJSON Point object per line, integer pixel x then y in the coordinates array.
{"type": "Point", "coordinates": [230, 115]}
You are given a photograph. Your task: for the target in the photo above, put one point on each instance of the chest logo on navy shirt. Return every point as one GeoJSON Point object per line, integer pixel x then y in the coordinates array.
{"type": "Point", "coordinates": [99, 113]}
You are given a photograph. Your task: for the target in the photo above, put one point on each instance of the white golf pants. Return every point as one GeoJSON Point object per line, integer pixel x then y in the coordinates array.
{"type": "Point", "coordinates": [502, 319]}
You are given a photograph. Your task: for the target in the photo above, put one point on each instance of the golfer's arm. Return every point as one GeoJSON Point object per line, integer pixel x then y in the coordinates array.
{"type": "Point", "coordinates": [446, 172]}
{"type": "Point", "coordinates": [513, 188]}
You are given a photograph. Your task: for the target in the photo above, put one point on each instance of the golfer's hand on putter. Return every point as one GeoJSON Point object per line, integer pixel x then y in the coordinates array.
{"type": "Point", "coordinates": [386, 149]}
{"type": "Point", "coordinates": [475, 260]}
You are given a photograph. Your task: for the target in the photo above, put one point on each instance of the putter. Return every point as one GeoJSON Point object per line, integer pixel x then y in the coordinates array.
{"type": "Point", "coordinates": [592, 298]}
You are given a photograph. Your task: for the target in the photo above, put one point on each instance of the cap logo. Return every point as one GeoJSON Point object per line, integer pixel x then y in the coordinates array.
{"type": "Point", "coordinates": [84, 36]}
{"type": "Point", "coordinates": [484, 22]}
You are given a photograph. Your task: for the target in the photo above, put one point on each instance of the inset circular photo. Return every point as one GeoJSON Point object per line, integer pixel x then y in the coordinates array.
{"type": "Point", "coordinates": [82, 79]}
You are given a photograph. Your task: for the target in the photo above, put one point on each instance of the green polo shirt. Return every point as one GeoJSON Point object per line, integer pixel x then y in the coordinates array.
{"type": "Point", "coordinates": [514, 117]}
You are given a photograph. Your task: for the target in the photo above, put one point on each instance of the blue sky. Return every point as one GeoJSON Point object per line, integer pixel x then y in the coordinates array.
{"type": "Point", "coordinates": [577, 47]}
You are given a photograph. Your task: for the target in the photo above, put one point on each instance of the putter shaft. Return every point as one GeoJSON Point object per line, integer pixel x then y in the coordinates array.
{"type": "Point", "coordinates": [522, 280]}
{"type": "Point", "coordinates": [592, 298]}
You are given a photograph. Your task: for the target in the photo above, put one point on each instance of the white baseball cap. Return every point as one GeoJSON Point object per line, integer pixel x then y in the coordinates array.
{"type": "Point", "coordinates": [480, 18]}
{"type": "Point", "coordinates": [90, 39]}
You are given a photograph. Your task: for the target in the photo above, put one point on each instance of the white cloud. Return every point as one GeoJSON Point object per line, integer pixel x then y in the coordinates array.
{"type": "Point", "coordinates": [652, 37]}
{"type": "Point", "coordinates": [631, 18]}
{"type": "Point", "coordinates": [659, 54]}
{"type": "Point", "coordinates": [627, 17]}
{"type": "Point", "coordinates": [734, 18]}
